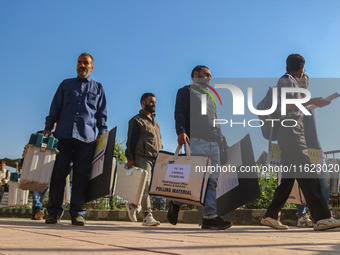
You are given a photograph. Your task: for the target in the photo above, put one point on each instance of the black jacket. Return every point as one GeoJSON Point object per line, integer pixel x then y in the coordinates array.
{"type": "Point", "coordinates": [188, 117]}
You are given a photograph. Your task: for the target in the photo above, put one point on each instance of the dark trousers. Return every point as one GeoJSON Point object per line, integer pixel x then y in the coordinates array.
{"type": "Point", "coordinates": [81, 154]}
{"type": "Point", "coordinates": [294, 151]}
{"type": "Point", "coordinates": [2, 191]}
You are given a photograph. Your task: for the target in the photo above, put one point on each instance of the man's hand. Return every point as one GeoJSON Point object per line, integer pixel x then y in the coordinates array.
{"type": "Point", "coordinates": [320, 101]}
{"type": "Point", "coordinates": [98, 137]}
{"type": "Point", "coordinates": [3, 180]}
{"type": "Point", "coordinates": [47, 132]}
{"type": "Point", "coordinates": [182, 138]}
{"type": "Point", "coordinates": [130, 163]}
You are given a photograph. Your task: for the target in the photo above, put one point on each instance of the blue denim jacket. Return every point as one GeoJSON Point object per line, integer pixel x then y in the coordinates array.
{"type": "Point", "coordinates": [78, 106]}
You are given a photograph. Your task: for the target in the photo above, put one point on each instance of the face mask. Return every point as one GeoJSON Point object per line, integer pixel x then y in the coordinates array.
{"type": "Point", "coordinates": [149, 108]}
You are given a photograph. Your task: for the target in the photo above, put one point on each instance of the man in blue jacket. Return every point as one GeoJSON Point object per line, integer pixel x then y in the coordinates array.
{"type": "Point", "coordinates": [78, 106]}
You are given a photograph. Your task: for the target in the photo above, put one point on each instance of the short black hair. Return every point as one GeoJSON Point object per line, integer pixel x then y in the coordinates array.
{"type": "Point", "coordinates": [197, 68]}
{"type": "Point", "coordinates": [294, 62]}
{"type": "Point", "coordinates": [145, 96]}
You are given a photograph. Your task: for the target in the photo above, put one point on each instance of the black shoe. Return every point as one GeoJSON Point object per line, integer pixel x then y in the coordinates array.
{"type": "Point", "coordinates": [52, 218]}
{"type": "Point", "coordinates": [38, 215]}
{"type": "Point", "coordinates": [172, 214]}
{"type": "Point", "coordinates": [216, 223]}
{"type": "Point", "coordinates": [78, 220]}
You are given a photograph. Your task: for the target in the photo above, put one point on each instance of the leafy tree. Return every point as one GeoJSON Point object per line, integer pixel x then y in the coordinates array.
{"type": "Point", "coordinates": [119, 151]}
{"type": "Point", "coordinates": [267, 185]}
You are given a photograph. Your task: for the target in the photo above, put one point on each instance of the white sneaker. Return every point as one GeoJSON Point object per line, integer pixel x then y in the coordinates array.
{"type": "Point", "coordinates": [305, 222]}
{"type": "Point", "coordinates": [327, 224]}
{"type": "Point", "coordinates": [150, 221]}
{"type": "Point", "coordinates": [273, 223]}
{"type": "Point", "coordinates": [132, 211]}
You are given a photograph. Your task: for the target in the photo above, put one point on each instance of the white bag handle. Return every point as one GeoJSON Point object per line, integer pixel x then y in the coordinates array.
{"type": "Point", "coordinates": [187, 150]}
{"type": "Point", "coordinates": [129, 172]}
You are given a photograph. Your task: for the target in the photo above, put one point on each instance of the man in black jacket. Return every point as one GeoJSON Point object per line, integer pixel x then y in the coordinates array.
{"type": "Point", "coordinates": [204, 138]}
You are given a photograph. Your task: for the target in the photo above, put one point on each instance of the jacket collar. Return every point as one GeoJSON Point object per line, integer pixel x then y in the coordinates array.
{"type": "Point", "coordinates": [83, 79]}
{"type": "Point", "coordinates": [296, 78]}
{"type": "Point", "coordinates": [142, 113]}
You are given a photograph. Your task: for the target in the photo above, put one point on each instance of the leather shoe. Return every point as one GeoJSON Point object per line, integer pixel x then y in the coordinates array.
{"type": "Point", "coordinates": [78, 220]}
{"type": "Point", "coordinates": [172, 214]}
{"type": "Point", "coordinates": [52, 218]}
{"type": "Point", "coordinates": [216, 223]}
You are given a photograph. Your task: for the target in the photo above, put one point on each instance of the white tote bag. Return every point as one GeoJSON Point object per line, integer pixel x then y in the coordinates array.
{"type": "Point", "coordinates": [179, 177]}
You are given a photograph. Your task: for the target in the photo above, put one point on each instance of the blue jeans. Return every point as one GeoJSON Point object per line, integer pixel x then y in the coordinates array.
{"type": "Point", "coordinates": [324, 183]}
{"type": "Point", "coordinates": [38, 200]}
{"type": "Point", "coordinates": [210, 149]}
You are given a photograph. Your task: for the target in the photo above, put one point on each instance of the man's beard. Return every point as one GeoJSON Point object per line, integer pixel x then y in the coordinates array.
{"type": "Point", "coordinates": [149, 108]}
{"type": "Point", "coordinates": [82, 73]}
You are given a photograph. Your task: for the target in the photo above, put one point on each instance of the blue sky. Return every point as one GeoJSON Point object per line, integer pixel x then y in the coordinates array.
{"type": "Point", "coordinates": [152, 46]}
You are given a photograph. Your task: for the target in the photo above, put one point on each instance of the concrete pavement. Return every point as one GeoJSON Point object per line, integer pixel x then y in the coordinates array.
{"type": "Point", "coordinates": [24, 236]}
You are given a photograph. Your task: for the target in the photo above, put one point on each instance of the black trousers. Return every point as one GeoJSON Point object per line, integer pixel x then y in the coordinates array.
{"type": "Point", "coordinates": [2, 191]}
{"type": "Point", "coordinates": [294, 152]}
{"type": "Point", "coordinates": [81, 154]}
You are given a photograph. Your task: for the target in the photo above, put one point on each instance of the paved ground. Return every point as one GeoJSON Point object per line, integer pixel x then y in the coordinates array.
{"type": "Point", "coordinates": [23, 236]}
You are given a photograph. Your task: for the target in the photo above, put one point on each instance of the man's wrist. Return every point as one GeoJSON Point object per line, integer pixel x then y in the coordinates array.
{"type": "Point", "coordinates": [101, 131]}
{"type": "Point", "coordinates": [181, 131]}
{"type": "Point", "coordinates": [48, 127]}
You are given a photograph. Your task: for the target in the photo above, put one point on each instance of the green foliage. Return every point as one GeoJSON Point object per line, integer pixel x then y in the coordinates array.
{"type": "Point", "coordinates": [267, 184]}
{"type": "Point", "coordinates": [103, 203]}
{"type": "Point", "coordinates": [289, 206]}
{"type": "Point", "coordinates": [119, 151]}
{"type": "Point", "coordinates": [112, 203]}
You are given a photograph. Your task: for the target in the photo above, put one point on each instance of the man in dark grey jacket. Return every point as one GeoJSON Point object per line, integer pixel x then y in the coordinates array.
{"type": "Point", "coordinates": [143, 144]}
{"type": "Point", "coordinates": [292, 143]}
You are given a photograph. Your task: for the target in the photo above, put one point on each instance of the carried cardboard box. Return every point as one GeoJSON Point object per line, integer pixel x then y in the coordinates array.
{"type": "Point", "coordinates": [130, 183]}
{"type": "Point", "coordinates": [39, 158]}
{"type": "Point", "coordinates": [16, 196]}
